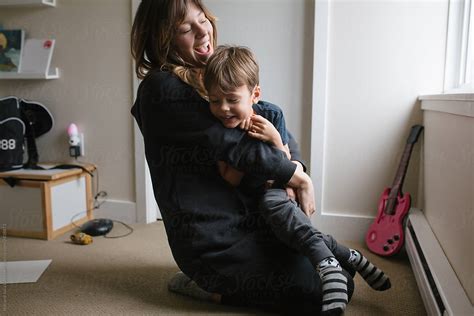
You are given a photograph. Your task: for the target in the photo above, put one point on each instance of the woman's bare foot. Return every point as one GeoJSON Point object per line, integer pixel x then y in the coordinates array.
{"type": "Point", "coordinates": [180, 283]}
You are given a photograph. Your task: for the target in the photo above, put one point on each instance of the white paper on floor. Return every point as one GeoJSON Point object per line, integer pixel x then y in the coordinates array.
{"type": "Point", "coordinates": [22, 271]}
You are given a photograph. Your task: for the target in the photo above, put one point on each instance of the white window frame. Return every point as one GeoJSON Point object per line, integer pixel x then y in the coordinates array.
{"type": "Point", "coordinates": [458, 74]}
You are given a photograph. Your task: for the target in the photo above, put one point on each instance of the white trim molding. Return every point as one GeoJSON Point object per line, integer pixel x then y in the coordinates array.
{"type": "Point", "coordinates": [117, 210]}
{"type": "Point", "coordinates": [319, 98]}
{"type": "Point", "coordinates": [147, 210]}
{"type": "Point", "coordinates": [342, 226]}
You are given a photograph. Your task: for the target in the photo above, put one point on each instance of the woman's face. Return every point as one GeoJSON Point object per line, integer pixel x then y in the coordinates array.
{"type": "Point", "coordinates": [193, 39]}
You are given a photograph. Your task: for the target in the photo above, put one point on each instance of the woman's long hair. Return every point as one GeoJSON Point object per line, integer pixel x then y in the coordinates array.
{"type": "Point", "coordinates": [153, 31]}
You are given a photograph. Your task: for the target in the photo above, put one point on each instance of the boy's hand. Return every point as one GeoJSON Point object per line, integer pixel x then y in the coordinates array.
{"type": "Point", "coordinates": [246, 124]}
{"type": "Point", "coordinates": [263, 129]}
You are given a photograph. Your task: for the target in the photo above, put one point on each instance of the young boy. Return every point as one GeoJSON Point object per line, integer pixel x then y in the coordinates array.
{"type": "Point", "coordinates": [234, 97]}
{"type": "Point", "coordinates": [231, 80]}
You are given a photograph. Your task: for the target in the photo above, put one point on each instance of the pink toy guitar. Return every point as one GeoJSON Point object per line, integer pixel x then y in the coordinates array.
{"type": "Point", "coordinates": [385, 235]}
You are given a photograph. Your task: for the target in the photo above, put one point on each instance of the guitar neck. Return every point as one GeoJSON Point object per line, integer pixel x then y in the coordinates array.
{"type": "Point", "coordinates": [401, 172]}
{"type": "Point", "coordinates": [397, 184]}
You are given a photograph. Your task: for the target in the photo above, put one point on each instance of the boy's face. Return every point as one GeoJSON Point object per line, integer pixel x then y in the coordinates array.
{"type": "Point", "coordinates": [233, 107]}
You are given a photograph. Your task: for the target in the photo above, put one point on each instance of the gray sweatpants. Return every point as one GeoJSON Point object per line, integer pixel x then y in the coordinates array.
{"type": "Point", "coordinates": [291, 225]}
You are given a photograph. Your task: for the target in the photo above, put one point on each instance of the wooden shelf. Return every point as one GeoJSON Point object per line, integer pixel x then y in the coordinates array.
{"type": "Point", "coordinates": [53, 74]}
{"type": "Point", "coordinates": [28, 3]}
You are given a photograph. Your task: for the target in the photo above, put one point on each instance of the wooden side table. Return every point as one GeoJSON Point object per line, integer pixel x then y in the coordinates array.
{"type": "Point", "coordinates": [43, 203]}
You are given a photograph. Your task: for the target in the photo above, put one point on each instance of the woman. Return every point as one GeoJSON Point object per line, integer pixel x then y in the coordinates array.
{"type": "Point", "coordinates": [218, 235]}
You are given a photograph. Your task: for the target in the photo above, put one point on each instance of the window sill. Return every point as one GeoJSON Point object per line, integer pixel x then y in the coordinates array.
{"type": "Point", "coordinates": [457, 104]}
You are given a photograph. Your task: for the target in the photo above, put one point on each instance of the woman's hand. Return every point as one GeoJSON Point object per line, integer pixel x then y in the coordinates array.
{"type": "Point", "coordinates": [298, 164]}
{"type": "Point", "coordinates": [305, 194]}
{"type": "Point", "coordinates": [291, 193]}
{"type": "Point", "coordinates": [289, 190]}
{"type": "Point", "coordinates": [231, 175]}
{"type": "Point", "coordinates": [303, 185]}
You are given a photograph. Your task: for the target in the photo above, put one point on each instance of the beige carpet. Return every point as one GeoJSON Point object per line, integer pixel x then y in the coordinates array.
{"type": "Point", "coordinates": [128, 276]}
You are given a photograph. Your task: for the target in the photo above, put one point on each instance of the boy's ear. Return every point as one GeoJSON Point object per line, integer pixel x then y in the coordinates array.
{"type": "Point", "coordinates": [256, 94]}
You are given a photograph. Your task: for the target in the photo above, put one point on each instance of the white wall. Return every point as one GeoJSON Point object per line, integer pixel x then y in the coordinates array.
{"type": "Point", "coordinates": [382, 55]}
{"type": "Point", "coordinates": [94, 91]}
{"type": "Point", "coordinates": [280, 33]}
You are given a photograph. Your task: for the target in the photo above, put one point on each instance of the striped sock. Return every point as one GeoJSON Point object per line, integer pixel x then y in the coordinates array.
{"type": "Point", "coordinates": [334, 285]}
{"type": "Point", "coordinates": [371, 274]}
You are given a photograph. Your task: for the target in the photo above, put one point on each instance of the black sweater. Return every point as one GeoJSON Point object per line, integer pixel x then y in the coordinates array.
{"type": "Point", "coordinates": [203, 215]}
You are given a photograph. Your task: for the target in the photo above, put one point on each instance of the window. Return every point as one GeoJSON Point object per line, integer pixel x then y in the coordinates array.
{"type": "Point", "coordinates": [459, 74]}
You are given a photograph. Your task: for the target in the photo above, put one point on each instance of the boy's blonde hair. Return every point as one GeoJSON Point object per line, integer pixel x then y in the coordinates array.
{"type": "Point", "coordinates": [231, 67]}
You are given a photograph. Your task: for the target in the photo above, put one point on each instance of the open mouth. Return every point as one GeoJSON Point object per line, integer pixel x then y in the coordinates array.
{"type": "Point", "coordinates": [204, 49]}
{"type": "Point", "coordinates": [228, 119]}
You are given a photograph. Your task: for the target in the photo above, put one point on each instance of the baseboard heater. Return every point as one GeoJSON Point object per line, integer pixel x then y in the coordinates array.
{"type": "Point", "coordinates": [440, 289]}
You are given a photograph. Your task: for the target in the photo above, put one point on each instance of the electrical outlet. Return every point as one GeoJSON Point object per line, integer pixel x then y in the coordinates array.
{"type": "Point", "coordinates": [74, 151]}
{"type": "Point", "coordinates": [77, 150]}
